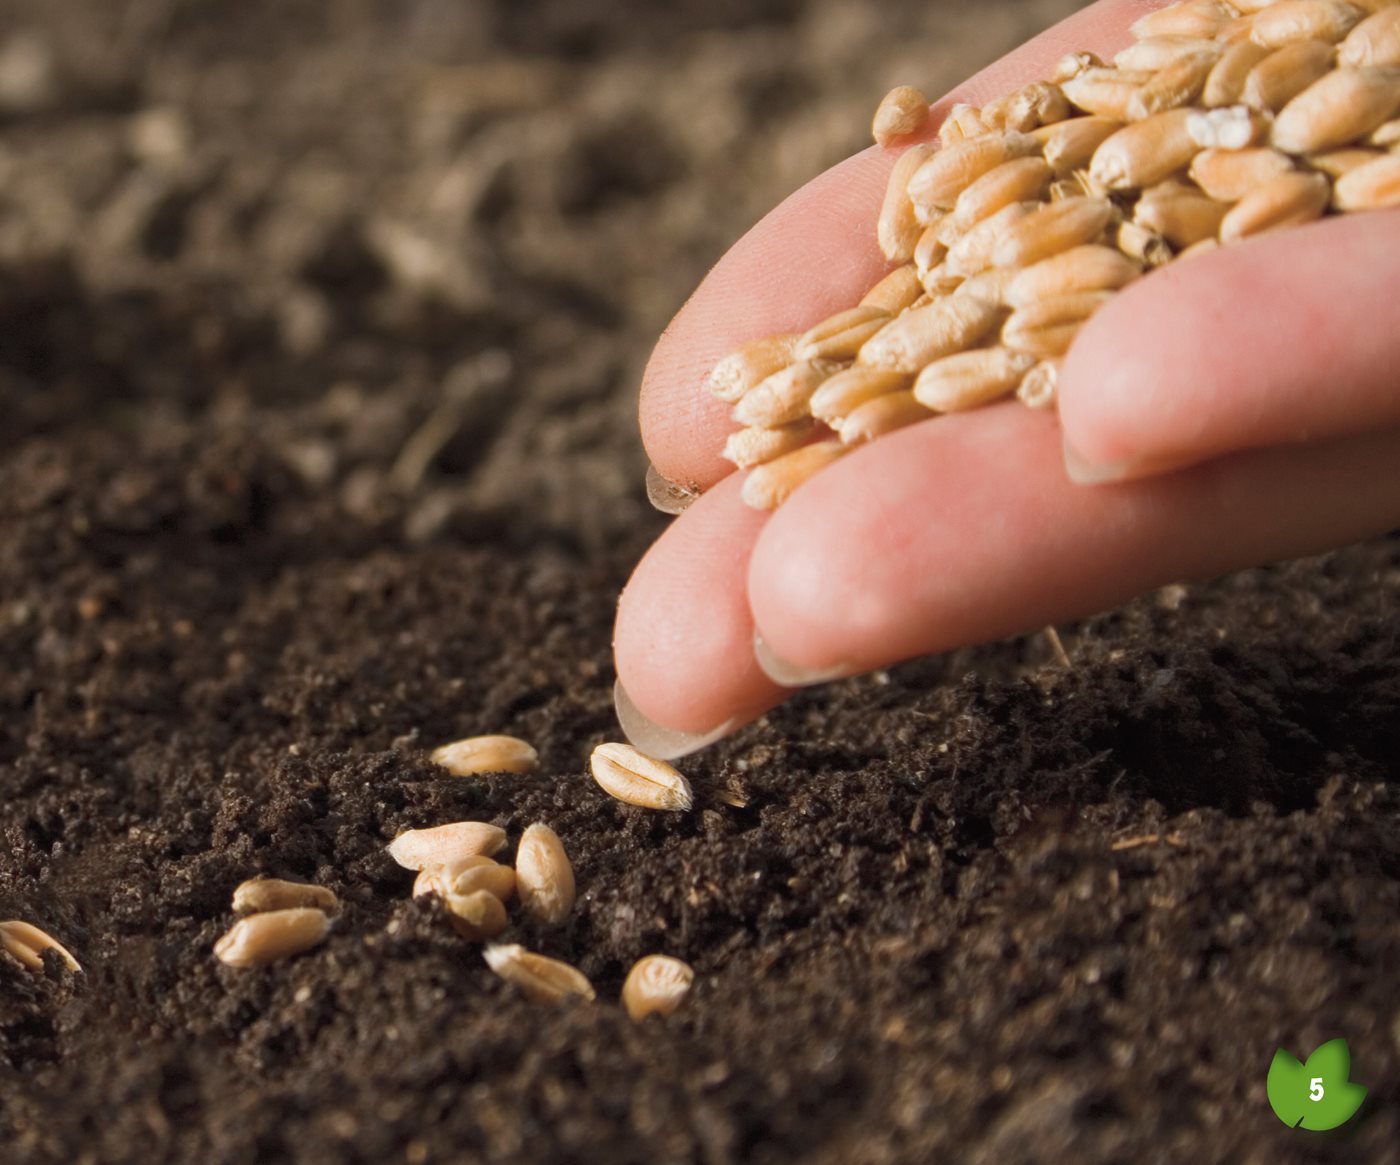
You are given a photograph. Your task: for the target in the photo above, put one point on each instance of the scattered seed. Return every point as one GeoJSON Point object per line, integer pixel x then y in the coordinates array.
{"type": "Point", "coordinates": [467, 877]}
{"type": "Point", "coordinates": [263, 894]}
{"type": "Point", "coordinates": [969, 379]}
{"type": "Point", "coordinates": [541, 979]}
{"type": "Point", "coordinates": [268, 937]}
{"type": "Point", "coordinates": [656, 985]}
{"type": "Point", "coordinates": [638, 779]}
{"type": "Point", "coordinates": [1286, 200]}
{"type": "Point", "coordinates": [544, 875]}
{"type": "Point", "coordinates": [477, 916]}
{"type": "Point", "coordinates": [902, 111]}
{"type": "Point", "coordinates": [486, 754]}
{"type": "Point", "coordinates": [769, 485]}
{"type": "Point", "coordinates": [26, 943]}
{"type": "Point", "coordinates": [446, 845]}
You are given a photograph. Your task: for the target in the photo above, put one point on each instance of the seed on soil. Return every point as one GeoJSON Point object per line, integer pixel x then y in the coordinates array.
{"type": "Point", "coordinates": [656, 985]}
{"type": "Point", "coordinates": [266, 938]}
{"type": "Point", "coordinates": [477, 916]}
{"type": "Point", "coordinates": [540, 979]}
{"type": "Point", "coordinates": [467, 877]}
{"type": "Point", "coordinates": [902, 111]}
{"type": "Point", "coordinates": [638, 779]}
{"type": "Point", "coordinates": [26, 943]}
{"type": "Point", "coordinates": [259, 895]}
{"type": "Point", "coordinates": [486, 754]}
{"type": "Point", "coordinates": [445, 845]}
{"type": "Point", "coordinates": [544, 875]}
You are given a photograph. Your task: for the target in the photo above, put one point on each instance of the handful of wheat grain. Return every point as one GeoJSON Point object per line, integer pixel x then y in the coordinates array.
{"type": "Point", "coordinates": [1221, 121]}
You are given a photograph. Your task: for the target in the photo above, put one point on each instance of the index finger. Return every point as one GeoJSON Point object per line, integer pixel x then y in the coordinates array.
{"type": "Point", "coordinates": [814, 255]}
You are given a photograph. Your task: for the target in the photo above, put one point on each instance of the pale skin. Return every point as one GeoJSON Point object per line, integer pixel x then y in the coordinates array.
{"type": "Point", "coordinates": [1237, 409]}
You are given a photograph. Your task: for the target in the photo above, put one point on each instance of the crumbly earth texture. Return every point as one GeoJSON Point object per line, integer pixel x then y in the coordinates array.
{"type": "Point", "coordinates": [321, 330]}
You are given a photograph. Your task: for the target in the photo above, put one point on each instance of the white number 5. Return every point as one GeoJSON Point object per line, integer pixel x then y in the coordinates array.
{"type": "Point", "coordinates": [1315, 1088]}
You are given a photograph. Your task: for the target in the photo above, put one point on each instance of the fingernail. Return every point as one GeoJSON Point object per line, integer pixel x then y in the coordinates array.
{"type": "Point", "coordinates": [666, 495]}
{"type": "Point", "coordinates": [790, 675]}
{"type": "Point", "coordinates": [1082, 471]}
{"type": "Point", "coordinates": [655, 739]}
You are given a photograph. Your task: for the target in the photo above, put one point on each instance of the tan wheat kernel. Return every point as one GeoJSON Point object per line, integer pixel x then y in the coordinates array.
{"type": "Point", "coordinates": [26, 943]}
{"type": "Point", "coordinates": [486, 754]}
{"type": "Point", "coordinates": [467, 877]}
{"type": "Point", "coordinates": [1202, 18]}
{"type": "Point", "coordinates": [1283, 201]}
{"type": "Point", "coordinates": [266, 938]}
{"type": "Point", "coordinates": [262, 894]}
{"type": "Point", "coordinates": [477, 916]}
{"type": "Point", "coordinates": [638, 779]}
{"type": "Point", "coordinates": [749, 447]}
{"type": "Point", "coordinates": [1369, 187]}
{"type": "Point", "coordinates": [882, 415]}
{"type": "Point", "coordinates": [540, 979]}
{"type": "Point", "coordinates": [1375, 41]}
{"type": "Point", "coordinates": [902, 111]}
{"type": "Point", "coordinates": [970, 379]}
{"type": "Point", "coordinates": [656, 985]}
{"type": "Point", "coordinates": [446, 845]}
{"type": "Point", "coordinates": [1285, 73]}
{"type": "Point", "coordinates": [1290, 20]}
{"type": "Point", "coordinates": [1340, 108]}
{"type": "Point", "coordinates": [751, 364]}
{"type": "Point", "coordinates": [544, 875]}
{"type": "Point", "coordinates": [769, 485]}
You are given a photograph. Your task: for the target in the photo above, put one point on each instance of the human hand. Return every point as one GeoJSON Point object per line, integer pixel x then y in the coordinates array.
{"type": "Point", "coordinates": [1238, 408]}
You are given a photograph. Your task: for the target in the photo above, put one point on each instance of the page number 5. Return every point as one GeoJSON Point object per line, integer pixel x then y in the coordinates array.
{"type": "Point", "coordinates": [1315, 1088]}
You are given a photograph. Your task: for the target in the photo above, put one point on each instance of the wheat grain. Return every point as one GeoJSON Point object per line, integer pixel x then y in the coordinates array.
{"type": "Point", "coordinates": [544, 875]}
{"type": "Point", "coordinates": [1040, 387]}
{"type": "Point", "coordinates": [1338, 109]}
{"type": "Point", "coordinates": [1228, 175]}
{"type": "Point", "coordinates": [1370, 187]}
{"type": "Point", "coordinates": [1203, 18]}
{"type": "Point", "coordinates": [782, 398]}
{"type": "Point", "coordinates": [1104, 92]}
{"type": "Point", "coordinates": [656, 985]}
{"type": "Point", "coordinates": [771, 484]}
{"type": "Point", "coordinates": [893, 293]}
{"type": "Point", "coordinates": [1179, 83]}
{"type": "Point", "coordinates": [445, 845]}
{"type": "Point", "coordinates": [753, 446]}
{"type": "Point", "coordinates": [1181, 215]}
{"type": "Point", "coordinates": [884, 414]}
{"type": "Point", "coordinates": [632, 776]}
{"type": "Point", "coordinates": [1285, 73]}
{"type": "Point", "coordinates": [902, 111]}
{"type": "Point", "coordinates": [1335, 163]}
{"type": "Point", "coordinates": [970, 379]}
{"type": "Point", "coordinates": [1226, 83]}
{"type": "Point", "coordinates": [1069, 145]}
{"type": "Point", "coordinates": [1145, 152]}
{"type": "Point", "coordinates": [897, 229]}
{"type": "Point", "coordinates": [1375, 41]}
{"type": "Point", "coordinates": [941, 178]}
{"type": "Point", "coordinates": [1046, 328]}
{"type": "Point", "coordinates": [1290, 20]}
{"type": "Point", "coordinates": [540, 979]}
{"type": "Point", "coordinates": [1154, 56]}
{"type": "Point", "coordinates": [27, 944]}
{"type": "Point", "coordinates": [1286, 200]}
{"type": "Point", "coordinates": [262, 894]}
{"type": "Point", "coordinates": [266, 938]}
{"type": "Point", "coordinates": [751, 364]}
{"type": "Point", "coordinates": [486, 754]}
{"type": "Point", "coordinates": [839, 337]}
{"type": "Point", "coordinates": [1052, 228]}
{"type": "Point", "coordinates": [1091, 267]}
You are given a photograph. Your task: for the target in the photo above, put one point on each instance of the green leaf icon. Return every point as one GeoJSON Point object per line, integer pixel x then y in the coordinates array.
{"type": "Point", "coordinates": [1315, 1095]}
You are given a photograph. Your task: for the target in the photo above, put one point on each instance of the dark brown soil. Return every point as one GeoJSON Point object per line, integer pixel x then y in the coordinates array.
{"type": "Point", "coordinates": [319, 333]}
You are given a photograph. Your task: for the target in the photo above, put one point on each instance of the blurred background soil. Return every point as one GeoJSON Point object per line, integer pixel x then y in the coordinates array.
{"type": "Point", "coordinates": [320, 331]}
